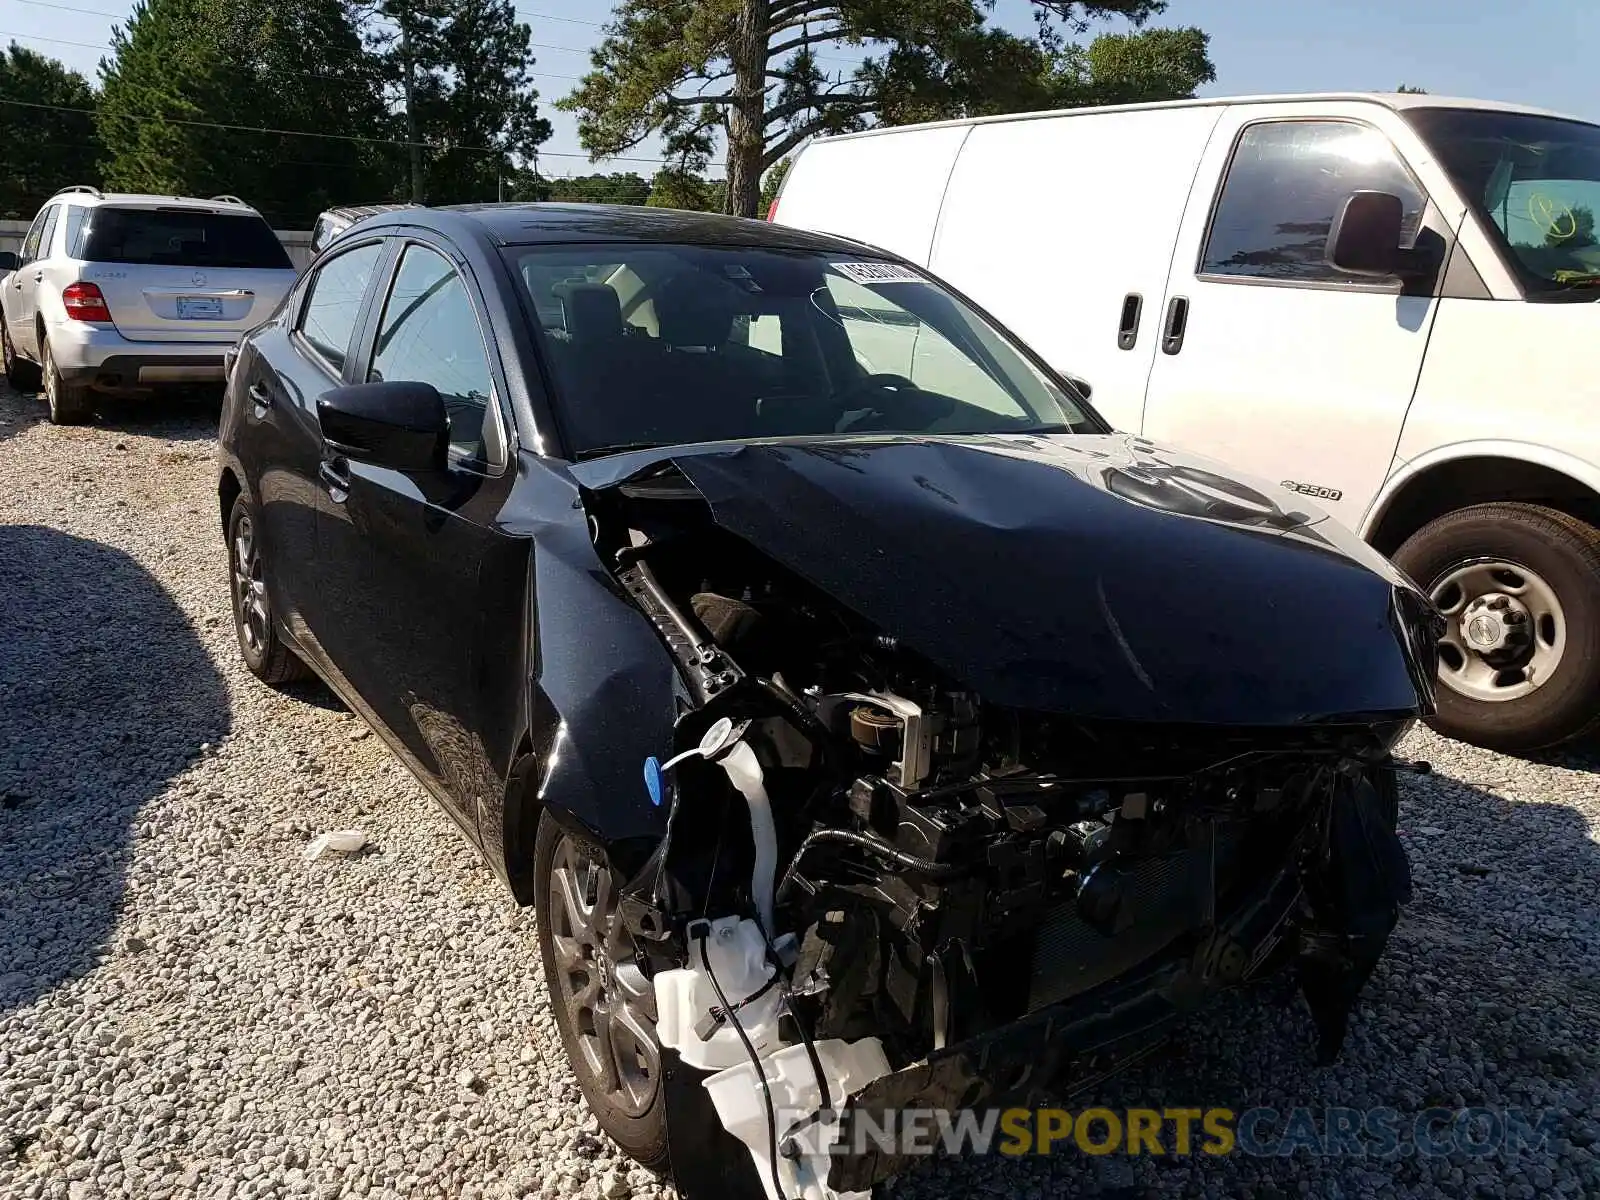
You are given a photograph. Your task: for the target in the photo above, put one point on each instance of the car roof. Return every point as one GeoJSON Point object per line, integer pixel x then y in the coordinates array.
{"type": "Point", "coordinates": [1399, 101]}
{"type": "Point", "coordinates": [554, 224]}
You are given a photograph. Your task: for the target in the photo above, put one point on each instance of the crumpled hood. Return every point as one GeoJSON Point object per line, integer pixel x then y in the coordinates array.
{"type": "Point", "coordinates": [1093, 575]}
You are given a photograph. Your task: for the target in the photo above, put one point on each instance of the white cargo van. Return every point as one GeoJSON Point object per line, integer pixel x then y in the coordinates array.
{"type": "Point", "coordinates": [1386, 302]}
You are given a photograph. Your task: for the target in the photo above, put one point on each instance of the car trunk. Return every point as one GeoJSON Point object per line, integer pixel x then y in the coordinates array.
{"type": "Point", "coordinates": [184, 274]}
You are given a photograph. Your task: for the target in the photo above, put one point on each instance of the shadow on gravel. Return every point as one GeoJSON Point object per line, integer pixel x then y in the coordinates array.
{"type": "Point", "coordinates": [19, 413]}
{"type": "Point", "coordinates": [106, 695]}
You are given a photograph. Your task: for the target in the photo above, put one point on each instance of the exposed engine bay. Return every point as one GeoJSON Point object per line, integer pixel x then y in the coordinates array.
{"type": "Point", "coordinates": [880, 889]}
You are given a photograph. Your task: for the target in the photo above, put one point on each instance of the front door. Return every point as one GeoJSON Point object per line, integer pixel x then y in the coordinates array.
{"type": "Point", "coordinates": [418, 549]}
{"type": "Point", "coordinates": [1269, 358]}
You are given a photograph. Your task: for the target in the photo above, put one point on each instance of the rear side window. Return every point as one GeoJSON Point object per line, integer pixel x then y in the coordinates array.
{"type": "Point", "coordinates": [30, 244]}
{"type": "Point", "coordinates": [1286, 184]}
{"type": "Point", "coordinates": [170, 237]}
{"type": "Point", "coordinates": [77, 220]}
{"type": "Point", "coordinates": [328, 321]}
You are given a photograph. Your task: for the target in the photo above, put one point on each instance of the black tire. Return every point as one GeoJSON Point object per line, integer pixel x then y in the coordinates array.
{"type": "Point", "coordinates": [262, 647]}
{"type": "Point", "coordinates": [69, 404]}
{"type": "Point", "coordinates": [1565, 553]}
{"type": "Point", "coordinates": [641, 1130]}
{"type": "Point", "coordinates": [20, 373]}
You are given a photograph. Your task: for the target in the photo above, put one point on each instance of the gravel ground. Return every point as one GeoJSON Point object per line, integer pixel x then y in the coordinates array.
{"type": "Point", "coordinates": [188, 1008]}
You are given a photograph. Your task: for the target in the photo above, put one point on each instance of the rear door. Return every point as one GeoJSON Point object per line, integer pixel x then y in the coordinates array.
{"type": "Point", "coordinates": [183, 273]}
{"type": "Point", "coordinates": [1272, 360]}
{"type": "Point", "coordinates": [22, 299]}
{"type": "Point", "coordinates": [279, 376]}
{"type": "Point", "coordinates": [414, 556]}
{"type": "Point", "coordinates": [1063, 228]}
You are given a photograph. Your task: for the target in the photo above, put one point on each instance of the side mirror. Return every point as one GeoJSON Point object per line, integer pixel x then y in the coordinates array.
{"type": "Point", "coordinates": [399, 425]}
{"type": "Point", "coordinates": [1365, 238]}
{"type": "Point", "coordinates": [1082, 385]}
{"type": "Point", "coordinates": [9, 261]}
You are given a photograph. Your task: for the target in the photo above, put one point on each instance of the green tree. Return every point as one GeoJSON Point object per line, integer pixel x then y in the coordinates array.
{"type": "Point", "coordinates": [1406, 89]}
{"type": "Point", "coordinates": [460, 74]}
{"type": "Point", "coordinates": [773, 181]}
{"type": "Point", "coordinates": [46, 148]}
{"type": "Point", "coordinates": [190, 85]}
{"type": "Point", "coordinates": [626, 188]}
{"type": "Point", "coordinates": [749, 71]}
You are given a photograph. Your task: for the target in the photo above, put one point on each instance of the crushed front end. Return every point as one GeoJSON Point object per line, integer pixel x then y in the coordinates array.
{"type": "Point", "coordinates": [882, 887]}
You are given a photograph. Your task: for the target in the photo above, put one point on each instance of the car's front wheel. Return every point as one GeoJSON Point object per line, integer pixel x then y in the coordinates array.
{"type": "Point", "coordinates": [260, 645]}
{"type": "Point", "coordinates": [1519, 586]}
{"type": "Point", "coordinates": [20, 373]}
{"type": "Point", "coordinates": [69, 404]}
{"type": "Point", "coordinates": [604, 1002]}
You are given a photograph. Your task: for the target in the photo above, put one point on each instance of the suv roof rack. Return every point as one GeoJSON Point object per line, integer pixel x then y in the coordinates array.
{"type": "Point", "coordinates": [229, 198]}
{"type": "Point", "coordinates": [83, 188]}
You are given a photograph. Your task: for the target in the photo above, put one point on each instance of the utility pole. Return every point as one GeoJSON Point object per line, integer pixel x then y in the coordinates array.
{"type": "Point", "coordinates": [414, 141]}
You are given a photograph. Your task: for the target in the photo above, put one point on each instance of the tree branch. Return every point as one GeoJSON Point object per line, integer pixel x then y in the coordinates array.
{"type": "Point", "coordinates": [777, 23]}
{"type": "Point", "coordinates": [790, 140]}
{"type": "Point", "coordinates": [800, 10]}
{"type": "Point", "coordinates": [688, 102]}
{"type": "Point", "coordinates": [810, 39]}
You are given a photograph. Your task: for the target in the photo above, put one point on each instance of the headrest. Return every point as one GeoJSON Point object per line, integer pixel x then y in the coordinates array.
{"type": "Point", "coordinates": [592, 312]}
{"type": "Point", "coordinates": [695, 310]}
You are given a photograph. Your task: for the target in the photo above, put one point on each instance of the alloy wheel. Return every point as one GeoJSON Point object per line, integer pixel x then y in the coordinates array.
{"type": "Point", "coordinates": [1506, 630]}
{"type": "Point", "coordinates": [249, 586]}
{"type": "Point", "coordinates": [610, 1000]}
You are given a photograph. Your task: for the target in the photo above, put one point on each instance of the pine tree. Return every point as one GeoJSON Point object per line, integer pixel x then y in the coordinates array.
{"type": "Point", "coordinates": [459, 74]}
{"type": "Point", "coordinates": [46, 147]}
{"type": "Point", "coordinates": [182, 71]}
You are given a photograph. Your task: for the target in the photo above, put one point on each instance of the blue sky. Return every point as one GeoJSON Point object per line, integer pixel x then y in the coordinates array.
{"type": "Point", "coordinates": [1531, 51]}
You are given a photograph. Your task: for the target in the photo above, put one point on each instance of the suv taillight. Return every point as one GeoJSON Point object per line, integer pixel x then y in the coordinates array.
{"type": "Point", "coordinates": [84, 302]}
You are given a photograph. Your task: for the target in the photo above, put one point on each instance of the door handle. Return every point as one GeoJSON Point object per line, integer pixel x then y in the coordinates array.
{"type": "Point", "coordinates": [1128, 326]}
{"type": "Point", "coordinates": [38, 276]}
{"type": "Point", "coordinates": [1177, 325]}
{"type": "Point", "coordinates": [335, 476]}
{"type": "Point", "coordinates": [260, 394]}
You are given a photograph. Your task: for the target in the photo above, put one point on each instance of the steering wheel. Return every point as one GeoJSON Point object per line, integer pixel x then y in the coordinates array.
{"type": "Point", "coordinates": [924, 405]}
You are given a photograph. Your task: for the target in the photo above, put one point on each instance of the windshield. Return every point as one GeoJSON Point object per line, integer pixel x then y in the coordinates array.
{"type": "Point", "coordinates": [1535, 182]}
{"type": "Point", "coordinates": [664, 345]}
{"type": "Point", "coordinates": [179, 237]}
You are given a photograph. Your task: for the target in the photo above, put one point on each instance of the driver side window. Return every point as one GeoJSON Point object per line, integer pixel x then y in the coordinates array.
{"type": "Point", "coordinates": [30, 244]}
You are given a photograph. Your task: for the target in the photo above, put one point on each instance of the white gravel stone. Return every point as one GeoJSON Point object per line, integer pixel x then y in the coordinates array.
{"type": "Point", "coordinates": [184, 1014]}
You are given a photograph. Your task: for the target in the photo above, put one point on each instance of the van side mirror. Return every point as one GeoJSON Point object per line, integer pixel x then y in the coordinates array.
{"type": "Point", "coordinates": [1365, 238]}
{"type": "Point", "coordinates": [399, 425]}
{"type": "Point", "coordinates": [9, 261]}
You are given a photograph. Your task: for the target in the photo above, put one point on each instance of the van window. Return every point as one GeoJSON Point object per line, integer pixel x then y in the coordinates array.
{"type": "Point", "coordinates": [1534, 181]}
{"type": "Point", "coordinates": [1286, 184]}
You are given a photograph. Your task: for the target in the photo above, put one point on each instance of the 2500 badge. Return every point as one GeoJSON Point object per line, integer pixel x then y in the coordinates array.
{"type": "Point", "coordinates": [1315, 490]}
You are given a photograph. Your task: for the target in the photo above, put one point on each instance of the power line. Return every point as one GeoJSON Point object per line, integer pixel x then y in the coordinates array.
{"type": "Point", "coordinates": [339, 137]}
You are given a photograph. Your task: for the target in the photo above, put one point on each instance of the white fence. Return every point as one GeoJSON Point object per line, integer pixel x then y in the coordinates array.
{"type": "Point", "coordinates": [296, 241]}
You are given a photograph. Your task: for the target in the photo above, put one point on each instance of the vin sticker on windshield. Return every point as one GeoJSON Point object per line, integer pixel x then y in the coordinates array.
{"type": "Point", "coordinates": [877, 272]}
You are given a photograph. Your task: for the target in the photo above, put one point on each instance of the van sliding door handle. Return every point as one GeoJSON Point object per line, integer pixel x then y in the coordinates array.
{"type": "Point", "coordinates": [1128, 326]}
{"type": "Point", "coordinates": [1177, 324]}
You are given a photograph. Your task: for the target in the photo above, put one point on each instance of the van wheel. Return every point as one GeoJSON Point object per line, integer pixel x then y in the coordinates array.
{"type": "Point", "coordinates": [20, 373]}
{"type": "Point", "coordinates": [1519, 585]}
{"type": "Point", "coordinates": [69, 405]}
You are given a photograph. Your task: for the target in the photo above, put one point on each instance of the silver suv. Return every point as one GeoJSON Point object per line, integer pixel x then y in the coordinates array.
{"type": "Point", "coordinates": [117, 293]}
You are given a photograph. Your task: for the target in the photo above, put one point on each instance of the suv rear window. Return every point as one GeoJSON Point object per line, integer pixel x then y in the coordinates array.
{"type": "Point", "coordinates": [179, 238]}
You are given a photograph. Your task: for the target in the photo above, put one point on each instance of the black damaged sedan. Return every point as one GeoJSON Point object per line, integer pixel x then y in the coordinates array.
{"type": "Point", "coordinates": [871, 727]}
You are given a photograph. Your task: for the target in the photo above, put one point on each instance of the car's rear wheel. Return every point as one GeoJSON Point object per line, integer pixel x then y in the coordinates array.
{"type": "Point", "coordinates": [20, 373]}
{"type": "Point", "coordinates": [69, 404]}
{"type": "Point", "coordinates": [260, 645]}
{"type": "Point", "coordinates": [1519, 586]}
{"type": "Point", "coordinates": [603, 1001]}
